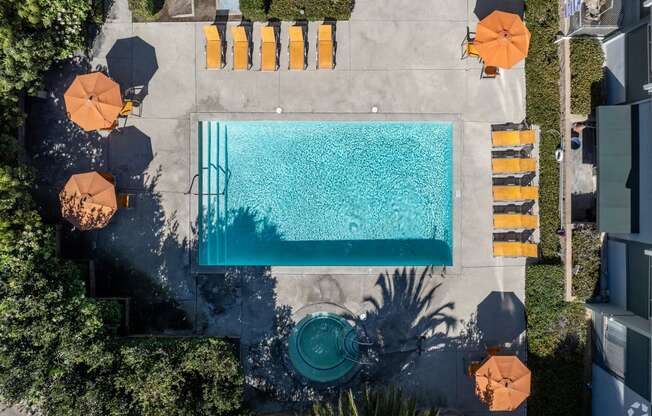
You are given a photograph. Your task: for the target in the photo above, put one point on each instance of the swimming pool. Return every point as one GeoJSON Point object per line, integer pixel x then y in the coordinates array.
{"type": "Point", "coordinates": [293, 193]}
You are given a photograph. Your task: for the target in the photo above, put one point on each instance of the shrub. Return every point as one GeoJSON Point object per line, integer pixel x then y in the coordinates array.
{"type": "Point", "coordinates": [390, 401]}
{"type": "Point", "coordinates": [255, 10]}
{"type": "Point", "coordinates": [586, 262]}
{"type": "Point", "coordinates": [180, 377]}
{"type": "Point", "coordinates": [289, 10]}
{"type": "Point", "coordinates": [587, 59]}
{"type": "Point", "coordinates": [146, 10]}
{"type": "Point", "coordinates": [543, 107]}
{"type": "Point", "coordinates": [33, 33]}
{"type": "Point", "coordinates": [51, 335]}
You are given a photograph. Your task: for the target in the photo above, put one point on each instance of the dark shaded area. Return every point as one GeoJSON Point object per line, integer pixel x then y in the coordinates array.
{"type": "Point", "coordinates": [139, 254]}
{"type": "Point", "coordinates": [584, 207]}
{"type": "Point", "coordinates": [501, 316]}
{"type": "Point", "coordinates": [250, 239]}
{"type": "Point", "coordinates": [344, 252]}
{"type": "Point", "coordinates": [638, 273]}
{"type": "Point", "coordinates": [522, 180]}
{"type": "Point", "coordinates": [589, 149]}
{"type": "Point", "coordinates": [524, 208]}
{"type": "Point", "coordinates": [518, 236]}
{"type": "Point", "coordinates": [483, 8]}
{"type": "Point", "coordinates": [565, 367]}
{"type": "Point", "coordinates": [57, 147]}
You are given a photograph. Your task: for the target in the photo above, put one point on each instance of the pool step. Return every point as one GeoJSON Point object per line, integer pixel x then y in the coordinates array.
{"type": "Point", "coordinates": [212, 195]}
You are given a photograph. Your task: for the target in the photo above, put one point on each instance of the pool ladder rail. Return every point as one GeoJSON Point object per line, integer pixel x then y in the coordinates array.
{"type": "Point", "coordinates": [349, 347]}
{"type": "Point", "coordinates": [227, 178]}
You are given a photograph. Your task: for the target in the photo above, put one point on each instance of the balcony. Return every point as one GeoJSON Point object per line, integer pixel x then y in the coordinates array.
{"type": "Point", "coordinates": [595, 18]}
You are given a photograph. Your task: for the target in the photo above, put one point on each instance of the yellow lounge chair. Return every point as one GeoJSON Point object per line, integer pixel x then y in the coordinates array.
{"type": "Point", "coordinates": [512, 137]}
{"type": "Point", "coordinates": [268, 49]}
{"type": "Point", "coordinates": [513, 221]}
{"type": "Point", "coordinates": [213, 47]}
{"type": "Point", "coordinates": [240, 48]}
{"type": "Point", "coordinates": [514, 249]}
{"type": "Point", "coordinates": [297, 48]}
{"type": "Point", "coordinates": [513, 165]}
{"type": "Point", "coordinates": [515, 193]}
{"type": "Point", "coordinates": [325, 47]}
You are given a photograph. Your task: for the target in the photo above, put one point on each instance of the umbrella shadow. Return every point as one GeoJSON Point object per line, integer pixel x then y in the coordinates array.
{"type": "Point", "coordinates": [129, 155]}
{"type": "Point", "coordinates": [483, 8]}
{"type": "Point", "coordinates": [501, 318]}
{"type": "Point", "coordinates": [132, 63]}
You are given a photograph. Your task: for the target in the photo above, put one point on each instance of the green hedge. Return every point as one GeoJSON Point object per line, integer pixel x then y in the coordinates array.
{"type": "Point", "coordinates": [587, 59]}
{"type": "Point", "coordinates": [543, 106]}
{"type": "Point", "coordinates": [556, 329]}
{"type": "Point", "coordinates": [290, 10]}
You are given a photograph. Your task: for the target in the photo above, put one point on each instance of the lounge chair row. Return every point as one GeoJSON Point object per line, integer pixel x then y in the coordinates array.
{"type": "Point", "coordinates": [522, 164]}
{"type": "Point", "coordinates": [269, 48]}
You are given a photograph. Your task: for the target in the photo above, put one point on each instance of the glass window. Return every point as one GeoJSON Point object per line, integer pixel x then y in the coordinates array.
{"type": "Point", "coordinates": [615, 339]}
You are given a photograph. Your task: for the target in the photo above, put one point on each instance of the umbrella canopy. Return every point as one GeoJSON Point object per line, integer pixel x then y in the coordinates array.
{"type": "Point", "coordinates": [502, 382]}
{"type": "Point", "coordinates": [88, 201]}
{"type": "Point", "coordinates": [93, 101]}
{"type": "Point", "coordinates": [502, 39]}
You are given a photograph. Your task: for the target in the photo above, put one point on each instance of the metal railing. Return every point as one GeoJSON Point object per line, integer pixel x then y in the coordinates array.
{"type": "Point", "coordinates": [596, 22]}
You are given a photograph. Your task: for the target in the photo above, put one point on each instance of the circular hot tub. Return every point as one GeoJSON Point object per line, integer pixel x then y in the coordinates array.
{"type": "Point", "coordinates": [323, 347]}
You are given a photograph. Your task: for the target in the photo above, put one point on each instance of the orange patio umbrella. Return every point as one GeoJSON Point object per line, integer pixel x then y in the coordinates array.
{"type": "Point", "coordinates": [88, 200]}
{"type": "Point", "coordinates": [502, 39]}
{"type": "Point", "coordinates": [93, 101]}
{"type": "Point", "coordinates": [502, 382]}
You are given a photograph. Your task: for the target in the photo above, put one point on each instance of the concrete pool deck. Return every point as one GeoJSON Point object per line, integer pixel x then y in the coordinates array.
{"type": "Point", "coordinates": [401, 56]}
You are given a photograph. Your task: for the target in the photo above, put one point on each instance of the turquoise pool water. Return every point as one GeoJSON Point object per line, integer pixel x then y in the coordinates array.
{"type": "Point", "coordinates": [325, 193]}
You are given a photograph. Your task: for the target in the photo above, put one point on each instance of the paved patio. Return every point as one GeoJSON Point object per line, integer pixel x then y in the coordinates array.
{"type": "Point", "coordinates": [401, 56]}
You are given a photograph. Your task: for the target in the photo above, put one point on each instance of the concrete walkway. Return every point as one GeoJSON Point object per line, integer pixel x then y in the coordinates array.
{"type": "Point", "coordinates": [402, 56]}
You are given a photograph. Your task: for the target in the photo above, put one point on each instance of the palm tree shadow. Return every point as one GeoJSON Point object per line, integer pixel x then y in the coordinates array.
{"type": "Point", "coordinates": [403, 318]}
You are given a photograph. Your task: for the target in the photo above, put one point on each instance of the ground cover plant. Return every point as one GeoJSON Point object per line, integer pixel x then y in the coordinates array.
{"type": "Point", "coordinates": [58, 348]}
{"type": "Point", "coordinates": [587, 59]}
{"type": "Point", "coordinates": [296, 9]}
{"type": "Point", "coordinates": [556, 329]}
{"type": "Point", "coordinates": [390, 401]}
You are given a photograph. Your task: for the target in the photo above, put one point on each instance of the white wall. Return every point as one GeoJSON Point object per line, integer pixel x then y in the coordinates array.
{"type": "Point", "coordinates": [614, 51]}
{"type": "Point", "coordinates": [645, 177]}
{"type": "Point", "coordinates": [610, 396]}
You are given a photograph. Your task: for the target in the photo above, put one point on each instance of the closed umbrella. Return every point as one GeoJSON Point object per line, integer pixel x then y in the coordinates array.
{"type": "Point", "coordinates": [503, 383]}
{"type": "Point", "coordinates": [93, 101]}
{"type": "Point", "coordinates": [88, 200]}
{"type": "Point", "coordinates": [502, 39]}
